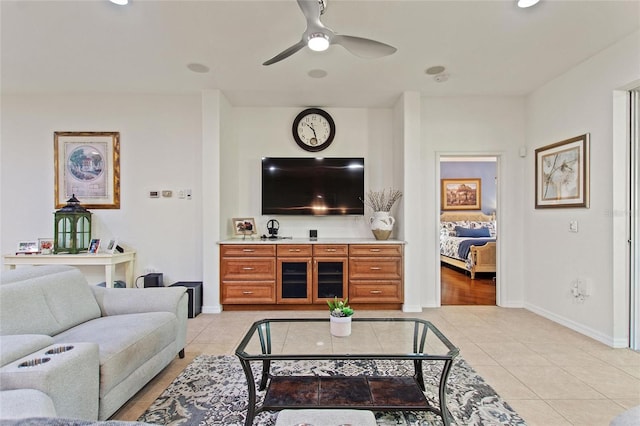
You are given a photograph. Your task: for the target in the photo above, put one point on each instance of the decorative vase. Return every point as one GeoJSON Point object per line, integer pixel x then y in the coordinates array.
{"type": "Point", "coordinates": [382, 225]}
{"type": "Point", "coordinates": [340, 326]}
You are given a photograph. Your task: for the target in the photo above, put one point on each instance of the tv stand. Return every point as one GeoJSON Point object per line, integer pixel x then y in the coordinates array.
{"type": "Point", "coordinates": [265, 275]}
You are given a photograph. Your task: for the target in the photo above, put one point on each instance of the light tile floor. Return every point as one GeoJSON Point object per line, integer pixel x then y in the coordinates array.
{"type": "Point", "coordinates": [548, 373]}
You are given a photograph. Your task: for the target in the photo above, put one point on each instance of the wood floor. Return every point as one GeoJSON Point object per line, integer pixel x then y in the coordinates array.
{"type": "Point", "coordinates": [459, 289]}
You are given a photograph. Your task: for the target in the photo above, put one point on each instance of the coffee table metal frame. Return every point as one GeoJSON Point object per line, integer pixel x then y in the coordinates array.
{"type": "Point", "coordinates": [420, 330]}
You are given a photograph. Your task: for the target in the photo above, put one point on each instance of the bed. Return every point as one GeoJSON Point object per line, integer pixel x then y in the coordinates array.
{"type": "Point", "coordinates": [468, 241]}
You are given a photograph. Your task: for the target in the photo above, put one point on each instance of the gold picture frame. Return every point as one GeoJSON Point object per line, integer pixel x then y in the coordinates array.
{"type": "Point", "coordinates": [461, 194]}
{"type": "Point", "coordinates": [87, 165]}
{"type": "Point", "coordinates": [562, 174]}
{"type": "Point", "coordinates": [244, 226]}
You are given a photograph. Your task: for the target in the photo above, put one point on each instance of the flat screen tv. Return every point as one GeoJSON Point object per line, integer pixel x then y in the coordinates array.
{"type": "Point", "coordinates": [312, 186]}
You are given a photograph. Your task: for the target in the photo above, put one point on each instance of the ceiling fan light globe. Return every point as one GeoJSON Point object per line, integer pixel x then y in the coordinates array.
{"type": "Point", "coordinates": [526, 3]}
{"type": "Point", "coordinates": [318, 42]}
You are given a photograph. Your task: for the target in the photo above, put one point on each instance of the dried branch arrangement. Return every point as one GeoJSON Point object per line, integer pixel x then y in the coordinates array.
{"type": "Point", "coordinates": [382, 201]}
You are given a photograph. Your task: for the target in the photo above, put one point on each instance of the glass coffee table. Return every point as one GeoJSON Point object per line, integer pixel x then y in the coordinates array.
{"type": "Point", "coordinates": [275, 342]}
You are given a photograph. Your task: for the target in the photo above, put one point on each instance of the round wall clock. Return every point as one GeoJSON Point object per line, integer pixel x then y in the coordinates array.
{"type": "Point", "coordinates": [313, 129]}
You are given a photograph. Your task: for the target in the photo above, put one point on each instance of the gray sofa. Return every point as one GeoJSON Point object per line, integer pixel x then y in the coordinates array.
{"type": "Point", "coordinates": [89, 349]}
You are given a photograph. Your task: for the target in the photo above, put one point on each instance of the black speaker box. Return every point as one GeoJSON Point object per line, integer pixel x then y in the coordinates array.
{"type": "Point", "coordinates": [194, 290]}
{"type": "Point", "coordinates": [153, 279]}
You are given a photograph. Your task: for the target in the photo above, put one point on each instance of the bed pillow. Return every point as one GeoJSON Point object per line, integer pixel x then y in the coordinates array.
{"type": "Point", "coordinates": [472, 233]}
{"type": "Point", "coordinates": [490, 225]}
{"type": "Point", "coordinates": [449, 228]}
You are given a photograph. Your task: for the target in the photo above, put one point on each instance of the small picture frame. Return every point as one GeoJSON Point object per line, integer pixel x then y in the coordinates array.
{"type": "Point", "coordinates": [45, 245]}
{"type": "Point", "coordinates": [244, 226]}
{"type": "Point", "coordinates": [94, 245]}
{"type": "Point", "coordinates": [28, 247]}
{"type": "Point", "coordinates": [112, 246]}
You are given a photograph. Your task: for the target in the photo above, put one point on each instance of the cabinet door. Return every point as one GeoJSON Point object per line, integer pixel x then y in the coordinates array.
{"type": "Point", "coordinates": [329, 278]}
{"type": "Point", "coordinates": [294, 280]}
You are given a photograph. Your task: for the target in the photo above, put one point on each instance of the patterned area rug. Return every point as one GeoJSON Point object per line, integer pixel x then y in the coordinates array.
{"type": "Point", "coordinates": [212, 390]}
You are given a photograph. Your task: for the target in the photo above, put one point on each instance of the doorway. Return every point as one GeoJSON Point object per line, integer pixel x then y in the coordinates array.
{"type": "Point", "coordinates": [468, 277]}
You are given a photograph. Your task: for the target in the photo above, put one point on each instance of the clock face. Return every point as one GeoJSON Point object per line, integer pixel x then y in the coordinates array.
{"type": "Point", "coordinates": [313, 129]}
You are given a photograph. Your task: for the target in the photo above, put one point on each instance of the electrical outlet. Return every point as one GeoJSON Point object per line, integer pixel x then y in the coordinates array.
{"type": "Point", "coordinates": [573, 226]}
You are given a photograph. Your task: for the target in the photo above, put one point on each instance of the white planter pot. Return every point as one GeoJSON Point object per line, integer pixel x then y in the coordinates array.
{"type": "Point", "coordinates": [340, 326]}
{"type": "Point", "coordinates": [382, 225]}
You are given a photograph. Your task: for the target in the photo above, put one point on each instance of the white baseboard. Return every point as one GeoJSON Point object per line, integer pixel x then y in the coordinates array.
{"type": "Point", "coordinates": [580, 328]}
{"type": "Point", "coordinates": [215, 309]}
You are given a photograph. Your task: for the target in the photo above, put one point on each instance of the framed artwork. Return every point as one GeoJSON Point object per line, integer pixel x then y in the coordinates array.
{"type": "Point", "coordinates": [94, 245]}
{"type": "Point", "coordinates": [87, 165]}
{"type": "Point", "coordinates": [461, 194]}
{"type": "Point", "coordinates": [244, 226]}
{"type": "Point", "coordinates": [112, 246]}
{"type": "Point", "coordinates": [45, 245]}
{"type": "Point", "coordinates": [27, 247]}
{"type": "Point", "coordinates": [562, 174]}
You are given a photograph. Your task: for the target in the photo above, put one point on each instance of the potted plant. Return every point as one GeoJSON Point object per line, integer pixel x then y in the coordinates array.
{"type": "Point", "coordinates": [340, 317]}
{"type": "Point", "coordinates": [381, 202]}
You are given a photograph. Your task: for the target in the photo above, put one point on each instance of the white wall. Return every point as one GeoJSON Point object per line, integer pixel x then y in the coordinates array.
{"type": "Point", "coordinates": [266, 132]}
{"type": "Point", "coordinates": [580, 101]}
{"type": "Point", "coordinates": [484, 126]}
{"type": "Point", "coordinates": [160, 140]}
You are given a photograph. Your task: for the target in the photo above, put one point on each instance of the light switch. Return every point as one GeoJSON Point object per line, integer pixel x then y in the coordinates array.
{"type": "Point", "coordinates": [573, 226]}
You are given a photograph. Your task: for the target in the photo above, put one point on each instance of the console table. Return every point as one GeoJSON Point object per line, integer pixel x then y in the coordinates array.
{"type": "Point", "coordinates": [109, 261]}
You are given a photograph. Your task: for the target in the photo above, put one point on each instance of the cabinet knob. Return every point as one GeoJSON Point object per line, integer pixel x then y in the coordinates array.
{"type": "Point", "coordinates": [375, 268]}
{"type": "Point", "coordinates": [294, 250]}
{"type": "Point", "coordinates": [247, 268]}
{"type": "Point", "coordinates": [247, 292]}
{"type": "Point", "coordinates": [330, 250]}
{"type": "Point", "coordinates": [376, 292]}
{"type": "Point", "coordinates": [248, 250]}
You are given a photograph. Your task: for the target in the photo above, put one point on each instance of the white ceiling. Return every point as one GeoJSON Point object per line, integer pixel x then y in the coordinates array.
{"type": "Point", "coordinates": [488, 47]}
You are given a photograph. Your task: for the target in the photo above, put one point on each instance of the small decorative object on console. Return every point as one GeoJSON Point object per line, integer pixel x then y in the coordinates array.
{"type": "Point", "coordinates": [244, 226]}
{"type": "Point", "coordinates": [72, 228]}
{"type": "Point", "coordinates": [45, 245]}
{"type": "Point", "coordinates": [27, 247]}
{"type": "Point", "coordinates": [381, 203]}
{"type": "Point", "coordinates": [94, 245]}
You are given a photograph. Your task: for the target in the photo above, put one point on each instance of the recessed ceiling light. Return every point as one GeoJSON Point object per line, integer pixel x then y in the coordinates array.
{"type": "Point", "coordinates": [317, 73]}
{"type": "Point", "coordinates": [527, 3]}
{"type": "Point", "coordinates": [120, 2]}
{"type": "Point", "coordinates": [199, 68]}
{"type": "Point", "coordinates": [435, 70]}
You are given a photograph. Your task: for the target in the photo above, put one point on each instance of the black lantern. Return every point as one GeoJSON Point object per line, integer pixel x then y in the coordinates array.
{"type": "Point", "coordinates": [72, 230]}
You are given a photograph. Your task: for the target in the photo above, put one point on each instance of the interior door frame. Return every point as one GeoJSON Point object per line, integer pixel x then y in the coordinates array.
{"type": "Point", "coordinates": [500, 165]}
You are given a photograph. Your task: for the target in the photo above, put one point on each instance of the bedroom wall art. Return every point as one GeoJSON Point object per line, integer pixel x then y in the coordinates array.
{"type": "Point", "coordinates": [562, 174]}
{"type": "Point", "coordinates": [461, 194]}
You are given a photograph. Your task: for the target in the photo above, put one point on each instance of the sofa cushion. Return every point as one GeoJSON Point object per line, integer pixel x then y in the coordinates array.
{"type": "Point", "coordinates": [126, 342]}
{"type": "Point", "coordinates": [59, 298]}
{"type": "Point", "coordinates": [14, 347]}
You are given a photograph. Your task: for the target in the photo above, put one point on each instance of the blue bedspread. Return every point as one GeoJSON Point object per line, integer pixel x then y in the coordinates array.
{"type": "Point", "coordinates": [465, 246]}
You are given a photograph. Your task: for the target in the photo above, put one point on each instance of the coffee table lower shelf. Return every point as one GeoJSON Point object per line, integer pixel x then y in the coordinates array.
{"type": "Point", "coordinates": [382, 393]}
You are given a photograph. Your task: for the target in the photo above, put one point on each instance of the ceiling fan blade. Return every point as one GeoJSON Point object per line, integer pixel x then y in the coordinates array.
{"type": "Point", "coordinates": [286, 53]}
{"type": "Point", "coordinates": [311, 10]}
{"type": "Point", "coordinates": [364, 47]}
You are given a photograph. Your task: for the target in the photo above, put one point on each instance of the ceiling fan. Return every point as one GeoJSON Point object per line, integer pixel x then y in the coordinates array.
{"type": "Point", "coordinates": [318, 37]}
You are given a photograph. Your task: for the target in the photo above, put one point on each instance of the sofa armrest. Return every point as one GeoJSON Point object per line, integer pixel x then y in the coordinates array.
{"type": "Point", "coordinates": [118, 301]}
{"type": "Point", "coordinates": [15, 346]}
